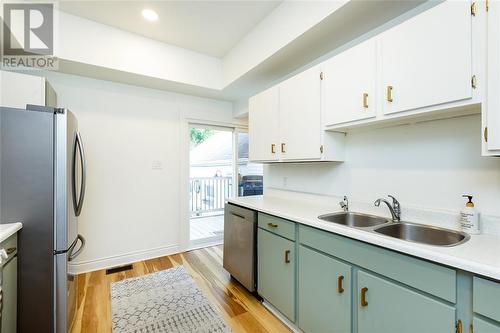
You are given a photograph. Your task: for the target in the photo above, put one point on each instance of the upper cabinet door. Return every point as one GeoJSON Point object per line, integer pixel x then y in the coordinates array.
{"type": "Point", "coordinates": [491, 134]}
{"type": "Point", "coordinates": [264, 126]}
{"type": "Point", "coordinates": [427, 60]}
{"type": "Point", "coordinates": [300, 116]}
{"type": "Point", "coordinates": [349, 85]}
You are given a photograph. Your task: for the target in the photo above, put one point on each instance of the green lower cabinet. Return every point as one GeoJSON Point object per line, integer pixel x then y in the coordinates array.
{"type": "Point", "coordinates": [325, 293]}
{"type": "Point", "coordinates": [482, 326]}
{"type": "Point", "coordinates": [385, 307]}
{"type": "Point", "coordinates": [276, 272]}
{"type": "Point", "coordinates": [9, 299]}
{"type": "Point", "coordinates": [486, 298]}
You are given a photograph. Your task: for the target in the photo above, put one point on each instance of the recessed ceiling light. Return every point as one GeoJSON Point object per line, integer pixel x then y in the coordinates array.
{"type": "Point", "coordinates": [149, 14]}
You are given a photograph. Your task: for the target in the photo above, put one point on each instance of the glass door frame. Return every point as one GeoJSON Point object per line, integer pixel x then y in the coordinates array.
{"type": "Point", "coordinates": [236, 153]}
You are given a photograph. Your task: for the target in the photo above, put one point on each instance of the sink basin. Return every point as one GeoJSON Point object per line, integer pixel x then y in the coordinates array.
{"type": "Point", "coordinates": [423, 234]}
{"type": "Point", "coordinates": [351, 219]}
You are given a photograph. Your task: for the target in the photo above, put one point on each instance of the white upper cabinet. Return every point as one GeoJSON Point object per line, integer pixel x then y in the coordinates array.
{"type": "Point", "coordinates": [285, 123]}
{"type": "Point", "coordinates": [422, 68]}
{"type": "Point", "coordinates": [349, 81]}
{"type": "Point", "coordinates": [264, 126]}
{"type": "Point", "coordinates": [427, 60]}
{"type": "Point", "coordinates": [17, 90]}
{"type": "Point", "coordinates": [300, 116]}
{"type": "Point", "coordinates": [491, 116]}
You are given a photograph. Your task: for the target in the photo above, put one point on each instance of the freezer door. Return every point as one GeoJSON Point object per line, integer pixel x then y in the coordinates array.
{"type": "Point", "coordinates": [66, 293]}
{"type": "Point", "coordinates": [66, 286]}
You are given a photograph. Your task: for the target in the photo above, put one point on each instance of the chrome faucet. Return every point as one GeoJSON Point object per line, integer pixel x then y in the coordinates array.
{"type": "Point", "coordinates": [344, 204]}
{"type": "Point", "coordinates": [395, 208]}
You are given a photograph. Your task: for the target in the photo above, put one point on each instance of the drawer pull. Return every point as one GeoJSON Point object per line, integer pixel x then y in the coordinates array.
{"type": "Point", "coordinates": [365, 100]}
{"type": "Point", "coordinates": [471, 328]}
{"type": "Point", "coordinates": [273, 148]}
{"type": "Point", "coordinates": [340, 287]}
{"type": "Point", "coordinates": [389, 93]}
{"type": "Point", "coordinates": [458, 326]}
{"type": "Point", "coordinates": [272, 225]}
{"type": "Point", "coordinates": [11, 250]}
{"type": "Point", "coordinates": [287, 256]}
{"type": "Point", "coordinates": [364, 290]}
{"type": "Point", "coordinates": [283, 148]}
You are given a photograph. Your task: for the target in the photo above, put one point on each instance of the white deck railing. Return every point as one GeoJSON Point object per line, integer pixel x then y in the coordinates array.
{"type": "Point", "coordinates": [208, 194]}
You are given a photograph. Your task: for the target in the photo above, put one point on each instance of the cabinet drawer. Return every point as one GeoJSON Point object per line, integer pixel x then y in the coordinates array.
{"type": "Point", "coordinates": [431, 278]}
{"type": "Point", "coordinates": [277, 226]}
{"type": "Point", "coordinates": [486, 298]}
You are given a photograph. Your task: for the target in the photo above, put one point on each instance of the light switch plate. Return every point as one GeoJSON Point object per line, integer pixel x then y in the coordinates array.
{"type": "Point", "coordinates": [157, 165]}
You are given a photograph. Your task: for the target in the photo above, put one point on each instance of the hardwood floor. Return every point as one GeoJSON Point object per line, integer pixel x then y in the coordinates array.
{"type": "Point", "coordinates": [242, 311]}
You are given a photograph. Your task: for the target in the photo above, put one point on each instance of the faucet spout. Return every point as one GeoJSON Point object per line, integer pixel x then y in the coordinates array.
{"type": "Point", "coordinates": [394, 208]}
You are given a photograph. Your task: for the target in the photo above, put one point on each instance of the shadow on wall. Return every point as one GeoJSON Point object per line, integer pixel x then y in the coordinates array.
{"type": "Point", "coordinates": [428, 164]}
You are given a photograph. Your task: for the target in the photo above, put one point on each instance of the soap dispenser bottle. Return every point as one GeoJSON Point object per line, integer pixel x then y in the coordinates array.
{"type": "Point", "coordinates": [469, 217]}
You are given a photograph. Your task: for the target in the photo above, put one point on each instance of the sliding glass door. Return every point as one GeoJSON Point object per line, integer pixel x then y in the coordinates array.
{"type": "Point", "coordinates": [218, 169]}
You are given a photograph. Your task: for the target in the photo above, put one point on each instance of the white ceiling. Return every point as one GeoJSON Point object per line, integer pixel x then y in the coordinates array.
{"type": "Point", "coordinates": [209, 27]}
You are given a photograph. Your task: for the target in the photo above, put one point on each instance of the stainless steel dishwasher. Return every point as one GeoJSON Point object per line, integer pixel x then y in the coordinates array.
{"type": "Point", "coordinates": [240, 232]}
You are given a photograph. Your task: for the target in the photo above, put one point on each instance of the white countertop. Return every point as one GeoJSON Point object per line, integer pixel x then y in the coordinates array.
{"type": "Point", "coordinates": [479, 255]}
{"type": "Point", "coordinates": [7, 230]}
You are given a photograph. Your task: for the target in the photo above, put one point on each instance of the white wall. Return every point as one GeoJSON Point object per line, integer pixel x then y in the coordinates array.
{"type": "Point", "coordinates": [133, 53]}
{"type": "Point", "coordinates": [428, 165]}
{"type": "Point", "coordinates": [131, 211]}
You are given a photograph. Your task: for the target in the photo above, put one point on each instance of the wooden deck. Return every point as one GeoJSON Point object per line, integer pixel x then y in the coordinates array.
{"type": "Point", "coordinates": [242, 311]}
{"type": "Point", "coordinates": [206, 227]}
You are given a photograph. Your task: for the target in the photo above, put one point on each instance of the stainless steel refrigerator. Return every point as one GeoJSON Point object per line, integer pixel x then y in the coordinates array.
{"type": "Point", "coordinates": [42, 185]}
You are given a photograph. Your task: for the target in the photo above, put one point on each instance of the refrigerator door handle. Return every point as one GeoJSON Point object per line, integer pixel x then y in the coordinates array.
{"type": "Point", "coordinates": [72, 255]}
{"type": "Point", "coordinates": [78, 204]}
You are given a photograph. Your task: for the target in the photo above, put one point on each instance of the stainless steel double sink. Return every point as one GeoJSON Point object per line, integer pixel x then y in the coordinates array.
{"type": "Point", "coordinates": [411, 232]}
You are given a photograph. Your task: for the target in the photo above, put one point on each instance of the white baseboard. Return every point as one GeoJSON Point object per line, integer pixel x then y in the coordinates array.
{"type": "Point", "coordinates": [120, 260]}
{"type": "Point", "coordinates": [194, 245]}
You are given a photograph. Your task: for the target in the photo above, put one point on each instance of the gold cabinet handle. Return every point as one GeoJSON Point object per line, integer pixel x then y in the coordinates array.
{"type": "Point", "coordinates": [486, 134]}
{"type": "Point", "coordinates": [283, 148]}
{"type": "Point", "coordinates": [340, 288]}
{"type": "Point", "coordinates": [365, 100]}
{"type": "Point", "coordinates": [272, 225]}
{"type": "Point", "coordinates": [364, 290]}
{"type": "Point", "coordinates": [471, 328]}
{"type": "Point", "coordinates": [287, 256]}
{"type": "Point", "coordinates": [389, 93]}
{"type": "Point", "coordinates": [273, 148]}
{"type": "Point", "coordinates": [458, 326]}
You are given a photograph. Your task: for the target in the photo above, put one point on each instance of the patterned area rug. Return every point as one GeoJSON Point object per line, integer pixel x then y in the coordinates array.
{"type": "Point", "coordinates": [167, 301]}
